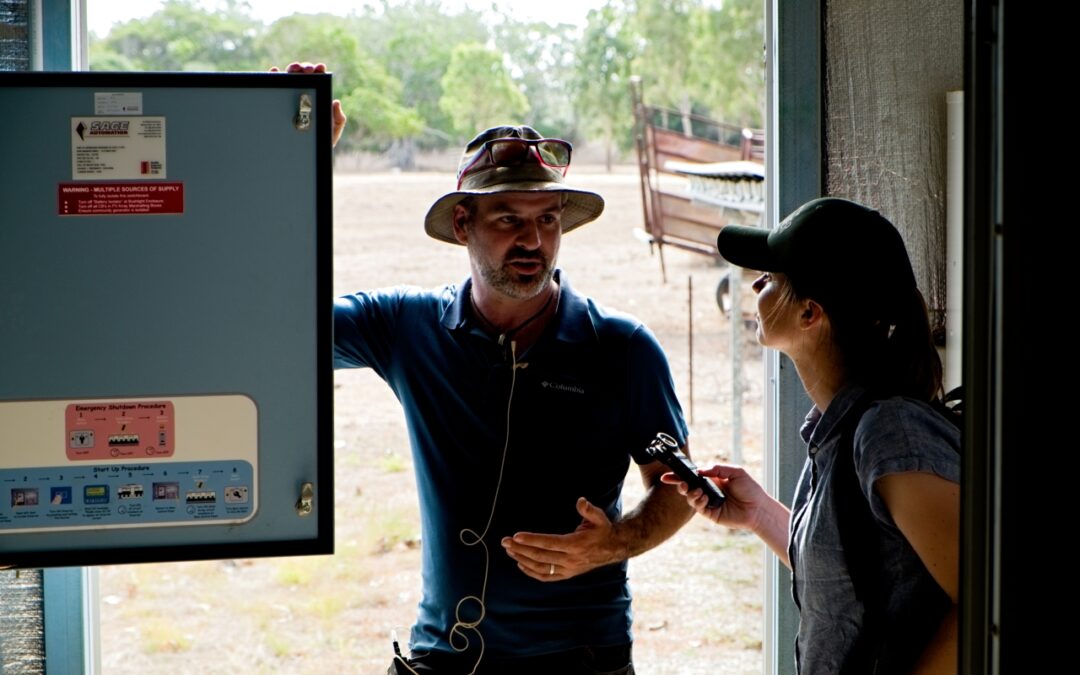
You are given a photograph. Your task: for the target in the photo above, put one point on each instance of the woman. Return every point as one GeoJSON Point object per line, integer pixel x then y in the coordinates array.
{"type": "Point", "coordinates": [872, 536]}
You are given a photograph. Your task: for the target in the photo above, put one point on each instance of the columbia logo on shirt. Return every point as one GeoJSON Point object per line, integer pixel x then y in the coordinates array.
{"type": "Point", "coordinates": [558, 386]}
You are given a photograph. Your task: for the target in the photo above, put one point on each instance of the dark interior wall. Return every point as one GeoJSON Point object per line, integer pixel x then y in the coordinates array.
{"type": "Point", "coordinates": [14, 35]}
{"type": "Point", "coordinates": [888, 66]}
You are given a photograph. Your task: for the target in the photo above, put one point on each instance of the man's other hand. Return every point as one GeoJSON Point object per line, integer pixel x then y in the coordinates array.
{"type": "Point", "coordinates": [555, 557]}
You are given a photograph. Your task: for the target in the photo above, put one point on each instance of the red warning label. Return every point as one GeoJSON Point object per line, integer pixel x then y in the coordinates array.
{"type": "Point", "coordinates": [120, 199]}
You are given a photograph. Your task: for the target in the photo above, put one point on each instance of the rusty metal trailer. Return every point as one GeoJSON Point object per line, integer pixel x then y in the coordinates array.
{"type": "Point", "coordinates": [695, 180]}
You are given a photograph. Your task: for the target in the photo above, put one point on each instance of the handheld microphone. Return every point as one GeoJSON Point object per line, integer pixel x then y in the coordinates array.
{"type": "Point", "coordinates": [666, 450]}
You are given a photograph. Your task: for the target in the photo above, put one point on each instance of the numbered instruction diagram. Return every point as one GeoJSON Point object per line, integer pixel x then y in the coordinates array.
{"type": "Point", "coordinates": [127, 463]}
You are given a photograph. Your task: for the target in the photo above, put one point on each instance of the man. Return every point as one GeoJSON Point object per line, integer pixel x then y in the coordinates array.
{"type": "Point", "coordinates": [525, 402]}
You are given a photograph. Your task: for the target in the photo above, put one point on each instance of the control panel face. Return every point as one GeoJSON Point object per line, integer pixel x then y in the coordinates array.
{"type": "Point", "coordinates": [166, 323]}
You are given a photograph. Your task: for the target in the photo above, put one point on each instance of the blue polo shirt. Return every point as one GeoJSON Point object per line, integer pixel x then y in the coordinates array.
{"type": "Point", "coordinates": [587, 397]}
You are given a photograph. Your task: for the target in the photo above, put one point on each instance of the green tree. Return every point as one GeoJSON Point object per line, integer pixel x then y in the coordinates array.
{"type": "Point", "coordinates": [371, 96]}
{"type": "Point", "coordinates": [413, 74]}
{"type": "Point", "coordinates": [540, 57]}
{"type": "Point", "coordinates": [665, 55]}
{"type": "Point", "coordinates": [478, 91]}
{"type": "Point", "coordinates": [729, 79]}
{"type": "Point", "coordinates": [601, 86]}
{"type": "Point", "coordinates": [103, 58]}
{"type": "Point", "coordinates": [414, 42]}
{"type": "Point", "coordinates": [184, 36]}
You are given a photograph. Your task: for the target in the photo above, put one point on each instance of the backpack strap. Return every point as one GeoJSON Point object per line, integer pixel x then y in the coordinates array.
{"type": "Point", "coordinates": [951, 406]}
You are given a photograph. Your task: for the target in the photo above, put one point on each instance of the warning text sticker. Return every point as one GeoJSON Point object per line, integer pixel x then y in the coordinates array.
{"type": "Point", "coordinates": [117, 148]}
{"type": "Point", "coordinates": [120, 199]}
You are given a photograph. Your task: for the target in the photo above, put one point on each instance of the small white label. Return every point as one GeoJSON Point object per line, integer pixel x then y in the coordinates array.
{"type": "Point", "coordinates": [118, 103]}
{"type": "Point", "coordinates": [111, 148]}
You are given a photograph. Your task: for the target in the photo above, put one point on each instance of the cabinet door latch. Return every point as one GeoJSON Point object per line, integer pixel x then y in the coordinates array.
{"type": "Point", "coordinates": [306, 504]}
{"type": "Point", "coordinates": [302, 121]}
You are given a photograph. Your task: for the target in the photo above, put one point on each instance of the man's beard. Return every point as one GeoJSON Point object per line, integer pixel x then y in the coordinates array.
{"type": "Point", "coordinates": [505, 280]}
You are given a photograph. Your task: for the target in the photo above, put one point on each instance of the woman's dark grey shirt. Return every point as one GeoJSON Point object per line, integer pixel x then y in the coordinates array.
{"type": "Point", "coordinates": [840, 632]}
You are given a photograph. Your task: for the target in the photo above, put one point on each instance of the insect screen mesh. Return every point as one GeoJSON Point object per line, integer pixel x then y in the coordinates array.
{"type": "Point", "coordinates": [888, 66]}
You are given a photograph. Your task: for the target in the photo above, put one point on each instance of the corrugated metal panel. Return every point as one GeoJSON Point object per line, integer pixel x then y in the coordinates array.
{"type": "Point", "coordinates": [14, 35]}
{"type": "Point", "coordinates": [22, 610]}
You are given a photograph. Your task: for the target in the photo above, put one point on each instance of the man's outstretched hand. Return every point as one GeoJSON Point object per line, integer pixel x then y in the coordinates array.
{"type": "Point", "coordinates": [555, 557]}
{"type": "Point", "coordinates": [338, 113]}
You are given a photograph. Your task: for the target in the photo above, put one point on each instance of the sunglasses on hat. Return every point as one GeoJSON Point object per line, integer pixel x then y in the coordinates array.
{"type": "Point", "coordinates": [502, 152]}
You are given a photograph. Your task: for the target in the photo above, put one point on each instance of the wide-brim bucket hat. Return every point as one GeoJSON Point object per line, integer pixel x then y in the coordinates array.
{"type": "Point", "coordinates": [531, 175]}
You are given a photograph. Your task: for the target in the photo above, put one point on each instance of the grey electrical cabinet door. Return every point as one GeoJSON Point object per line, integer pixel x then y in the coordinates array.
{"type": "Point", "coordinates": [165, 317]}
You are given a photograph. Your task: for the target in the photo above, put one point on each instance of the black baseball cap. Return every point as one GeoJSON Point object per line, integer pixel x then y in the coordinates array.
{"type": "Point", "coordinates": [833, 250]}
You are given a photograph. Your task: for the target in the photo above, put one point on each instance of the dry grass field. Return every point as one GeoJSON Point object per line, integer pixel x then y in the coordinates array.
{"type": "Point", "coordinates": [697, 598]}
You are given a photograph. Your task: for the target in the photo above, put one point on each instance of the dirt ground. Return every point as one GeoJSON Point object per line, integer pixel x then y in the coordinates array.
{"type": "Point", "coordinates": [697, 598]}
